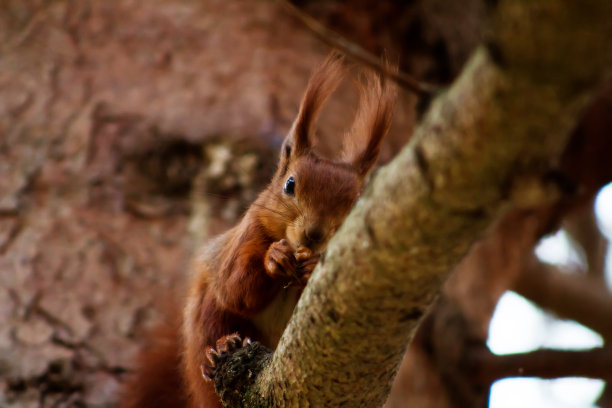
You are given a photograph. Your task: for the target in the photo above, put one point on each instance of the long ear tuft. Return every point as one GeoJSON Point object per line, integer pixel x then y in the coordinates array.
{"type": "Point", "coordinates": [372, 121]}
{"type": "Point", "coordinates": [321, 85]}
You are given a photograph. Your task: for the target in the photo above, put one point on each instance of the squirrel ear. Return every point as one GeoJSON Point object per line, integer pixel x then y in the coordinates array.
{"type": "Point", "coordinates": [372, 121]}
{"type": "Point", "coordinates": [285, 156]}
{"type": "Point", "coordinates": [324, 80]}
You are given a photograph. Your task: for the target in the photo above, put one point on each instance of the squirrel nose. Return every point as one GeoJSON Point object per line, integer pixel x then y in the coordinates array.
{"type": "Point", "coordinates": [314, 235]}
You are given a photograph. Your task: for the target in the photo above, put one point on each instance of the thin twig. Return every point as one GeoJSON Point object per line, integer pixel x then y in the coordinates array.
{"type": "Point", "coordinates": [359, 54]}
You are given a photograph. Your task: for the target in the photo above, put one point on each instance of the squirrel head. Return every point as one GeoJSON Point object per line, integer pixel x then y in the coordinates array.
{"type": "Point", "coordinates": [310, 196]}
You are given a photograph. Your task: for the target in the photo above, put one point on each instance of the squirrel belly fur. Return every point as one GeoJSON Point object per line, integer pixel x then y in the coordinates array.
{"type": "Point", "coordinates": [249, 279]}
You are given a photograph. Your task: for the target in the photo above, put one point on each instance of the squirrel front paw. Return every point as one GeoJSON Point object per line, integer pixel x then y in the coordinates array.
{"type": "Point", "coordinates": [283, 261]}
{"type": "Point", "coordinates": [306, 262]}
{"type": "Point", "coordinates": [304, 270]}
{"type": "Point", "coordinates": [280, 260]}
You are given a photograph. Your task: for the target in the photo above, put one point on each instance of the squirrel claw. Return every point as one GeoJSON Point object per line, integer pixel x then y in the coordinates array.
{"type": "Point", "coordinates": [204, 373]}
{"type": "Point", "coordinates": [229, 343]}
{"type": "Point", "coordinates": [225, 346]}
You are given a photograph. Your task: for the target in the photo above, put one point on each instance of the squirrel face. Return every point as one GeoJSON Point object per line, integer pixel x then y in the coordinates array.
{"type": "Point", "coordinates": [310, 196]}
{"type": "Point", "coordinates": [322, 193]}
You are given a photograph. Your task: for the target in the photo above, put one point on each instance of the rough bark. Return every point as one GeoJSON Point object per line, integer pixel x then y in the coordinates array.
{"type": "Point", "coordinates": [469, 158]}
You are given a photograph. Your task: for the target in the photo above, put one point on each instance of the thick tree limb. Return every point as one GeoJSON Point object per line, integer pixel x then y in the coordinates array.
{"type": "Point", "coordinates": [502, 122]}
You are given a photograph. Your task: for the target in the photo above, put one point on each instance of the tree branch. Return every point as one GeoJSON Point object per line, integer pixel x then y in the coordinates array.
{"type": "Point", "coordinates": [504, 118]}
{"type": "Point", "coordinates": [570, 295]}
{"type": "Point", "coordinates": [360, 55]}
{"type": "Point", "coordinates": [581, 225]}
{"type": "Point", "coordinates": [593, 363]}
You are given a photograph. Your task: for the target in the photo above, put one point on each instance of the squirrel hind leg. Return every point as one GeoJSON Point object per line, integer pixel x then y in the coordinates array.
{"type": "Point", "coordinates": [233, 366]}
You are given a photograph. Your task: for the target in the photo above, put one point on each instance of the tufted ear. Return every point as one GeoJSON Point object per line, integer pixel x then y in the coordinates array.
{"type": "Point", "coordinates": [372, 122]}
{"type": "Point", "coordinates": [324, 80]}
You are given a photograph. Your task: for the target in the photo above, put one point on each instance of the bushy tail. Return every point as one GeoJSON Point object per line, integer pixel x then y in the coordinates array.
{"type": "Point", "coordinates": [157, 381]}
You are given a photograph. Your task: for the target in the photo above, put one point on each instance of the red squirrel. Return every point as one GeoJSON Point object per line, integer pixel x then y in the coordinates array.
{"type": "Point", "coordinates": [249, 279]}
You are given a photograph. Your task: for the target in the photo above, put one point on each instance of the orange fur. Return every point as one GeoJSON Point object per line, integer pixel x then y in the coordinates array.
{"type": "Point", "coordinates": [372, 121]}
{"type": "Point", "coordinates": [158, 381]}
{"type": "Point", "coordinates": [263, 262]}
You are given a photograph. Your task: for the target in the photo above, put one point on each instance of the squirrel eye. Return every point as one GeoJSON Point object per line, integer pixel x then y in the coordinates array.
{"type": "Point", "coordinates": [289, 186]}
